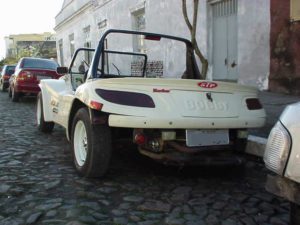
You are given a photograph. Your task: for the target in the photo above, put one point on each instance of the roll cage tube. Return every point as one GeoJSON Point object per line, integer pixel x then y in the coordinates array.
{"type": "Point", "coordinates": [74, 57]}
{"type": "Point", "coordinates": [191, 64]}
{"type": "Point", "coordinates": [76, 53]}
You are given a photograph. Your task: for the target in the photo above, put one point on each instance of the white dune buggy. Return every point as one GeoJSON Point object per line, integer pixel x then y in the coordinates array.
{"type": "Point", "coordinates": [145, 88]}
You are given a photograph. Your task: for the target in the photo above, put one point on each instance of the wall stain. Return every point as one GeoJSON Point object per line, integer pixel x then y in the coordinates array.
{"type": "Point", "coordinates": [285, 50]}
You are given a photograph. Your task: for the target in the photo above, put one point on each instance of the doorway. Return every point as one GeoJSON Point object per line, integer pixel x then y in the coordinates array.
{"type": "Point", "coordinates": [224, 31]}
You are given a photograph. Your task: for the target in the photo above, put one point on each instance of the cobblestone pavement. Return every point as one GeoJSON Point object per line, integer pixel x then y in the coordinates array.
{"type": "Point", "coordinates": [38, 185]}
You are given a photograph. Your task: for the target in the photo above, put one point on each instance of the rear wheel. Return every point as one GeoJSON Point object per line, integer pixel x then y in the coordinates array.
{"type": "Point", "coordinates": [9, 92]}
{"type": "Point", "coordinates": [294, 214]}
{"type": "Point", "coordinates": [15, 96]}
{"type": "Point", "coordinates": [91, 145]}
{"type": "Point", "coordinates": [241, 144]}
{"type": "Point", "coordinates": [2, 86]}
{"type": "Point", "coordinates": [42, 125]}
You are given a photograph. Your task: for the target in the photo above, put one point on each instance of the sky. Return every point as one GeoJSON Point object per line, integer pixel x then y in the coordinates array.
{"type": "Point", "coordinates": [27, 16]}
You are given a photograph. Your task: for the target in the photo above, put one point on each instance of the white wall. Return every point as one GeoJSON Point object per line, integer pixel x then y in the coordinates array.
{"type": "Point", "coordinates": [165, 16]}
{"type": "Point", "coordinates": [254, 42]}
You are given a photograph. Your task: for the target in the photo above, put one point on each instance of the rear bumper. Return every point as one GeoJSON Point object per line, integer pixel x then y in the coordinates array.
{"type": "Point", "coordinates": [184, 123]}
{"type": "Point", "coordinates": [215, 158]}
{"type": "Point", "coordinates": [283, 187]}
{"type": "Point", "coordinates": [5, 83]}
{"type": "Point", "coordinates": [27, 88]}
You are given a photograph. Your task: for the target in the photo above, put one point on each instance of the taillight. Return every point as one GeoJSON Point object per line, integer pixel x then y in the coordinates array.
{"type": "Point", "coordinates": [126, 98]}
{"type": "Point", "coordinates": [6, 77]}
{"type": "Point", "coordinates": [96, 105]}
{"type": "Point", "coordinates": [140, 139]}
{"type": "Point", "coordinates": [253, 104]}
{"type": "Point", "coordinates": [278, 148]}
{"type": "Point", "coordinates": [24, 75]}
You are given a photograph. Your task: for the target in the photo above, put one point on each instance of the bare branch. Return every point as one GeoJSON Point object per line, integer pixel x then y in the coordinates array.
{"type": "Point", "coordinates": [195, 17]}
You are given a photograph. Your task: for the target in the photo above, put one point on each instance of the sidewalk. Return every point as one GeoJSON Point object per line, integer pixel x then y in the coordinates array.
{"type": "Point", "coordinates": [274, 104]}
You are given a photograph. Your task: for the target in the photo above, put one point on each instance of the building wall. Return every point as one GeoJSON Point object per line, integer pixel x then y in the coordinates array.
{"type": "Point", "coordinates": [165, 16]}
{"type": "Point", "coordinates": [253, 42]}
{"type": "Point", "coordinates": [285, 50]}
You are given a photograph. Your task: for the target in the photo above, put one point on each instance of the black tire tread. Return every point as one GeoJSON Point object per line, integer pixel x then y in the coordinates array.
{"type": "Point", "coordinates": [9, 92]}
{"type": "Point", "coordinates": [45, 127]}
{"type": "Point", "coordinates": [2, 86]}
{"type": "Point", "coordinates": [15, 96]}
{"type": "Point", "coordinates": [99, 146]}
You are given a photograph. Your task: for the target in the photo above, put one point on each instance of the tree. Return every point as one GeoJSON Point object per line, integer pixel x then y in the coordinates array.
{"type": "Point", "coordinates": [8, 61]}
{"type": "Point", "coordinates": [192, 28]}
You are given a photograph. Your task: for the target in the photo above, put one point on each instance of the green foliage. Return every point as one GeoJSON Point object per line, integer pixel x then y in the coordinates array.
{"type": "Point", "coordinates": [8, 61]}
{"type": "Point", "coordinates": [40, 50]}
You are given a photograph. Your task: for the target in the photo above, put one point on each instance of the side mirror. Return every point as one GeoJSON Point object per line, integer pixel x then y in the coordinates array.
{"type": "Point", "coordinates": [62, 70]}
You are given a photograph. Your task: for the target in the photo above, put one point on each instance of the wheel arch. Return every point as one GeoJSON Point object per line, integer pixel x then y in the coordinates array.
{"type": "Point", "coordinates": [46, 102]}
{"type": "Point", "coordinates": [96, 116]}
{"type": "Point", "coordinates": [77, 104]}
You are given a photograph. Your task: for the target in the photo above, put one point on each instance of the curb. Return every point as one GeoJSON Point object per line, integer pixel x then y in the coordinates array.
{"type": "Point", "coordinates": [256, 145]}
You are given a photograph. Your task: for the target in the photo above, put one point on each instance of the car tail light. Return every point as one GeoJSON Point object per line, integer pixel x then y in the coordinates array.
{"type": "Point", "coordinates": [6, 77]}
{"type": "Point", "coordinates": [253, 104]}
{"type": "Point", "coordinates": [140, 139]}
{"type": "Point", "coordinates": [277, 149]}
{"type": "Point", "coordinates": [96, 105]}
{"type": "Point", "coordinates": [126, 98]}
{"type": "Point", "coordinates": [24, 75]}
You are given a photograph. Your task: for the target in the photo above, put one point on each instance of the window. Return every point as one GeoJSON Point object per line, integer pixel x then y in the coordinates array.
{"type": "Point", "coordinates": [88, 55]}
{"type": "Point", "coordinates": [139, 24]}
{"type": "Point", "coordinates": [72, 44]}
{"type": "Point", "coordinates": [39, 64]}
{"type": "Point", "coordinates": [295, 10]}
{"type": "Point", "coordinates": [61, 52]}
{"type": "Point", "coordinates": [87, 44]}
{"type": "Point", "coordinates": [102, 25]}
{"type": "Point", "coordinates": [86, 32]}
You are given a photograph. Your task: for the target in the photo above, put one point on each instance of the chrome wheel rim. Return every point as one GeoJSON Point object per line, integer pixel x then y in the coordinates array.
{"type": "Point", "coordinates": [80, 143]}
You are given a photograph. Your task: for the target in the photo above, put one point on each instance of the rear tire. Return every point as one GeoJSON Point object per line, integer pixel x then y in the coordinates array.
{"type": "Point", "coordinates": [15, 96]}
{"type": "Point", "coordinates": [42, 125]}
{"type": "Point", "coordinates": [295, 214]}
{"type": "Point", "coordinates": [2, 86]}
{"type": "Point", "coordinates": [9, 92]}
{"type": "Point", "coordinates": [91, 145]}
{"type": "Point", "coordinates": [241, 144]}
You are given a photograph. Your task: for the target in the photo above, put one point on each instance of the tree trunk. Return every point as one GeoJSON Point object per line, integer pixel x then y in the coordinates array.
{"type": "Point", "coordinates": [193, 28]}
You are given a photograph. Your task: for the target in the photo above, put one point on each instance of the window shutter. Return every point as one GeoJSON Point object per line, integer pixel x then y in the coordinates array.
{"type": "Point", "coordinates": [295, 10]}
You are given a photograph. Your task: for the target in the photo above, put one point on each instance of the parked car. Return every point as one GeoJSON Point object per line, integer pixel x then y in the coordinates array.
{"type": "Point", "coordinates": [282, 158]}
{"type": "Point", "coordinates": [151, 99]}
{"type": "Point", "coordinates": [7, 71]}
{"type": "Point", "coordinates": [28, 74]}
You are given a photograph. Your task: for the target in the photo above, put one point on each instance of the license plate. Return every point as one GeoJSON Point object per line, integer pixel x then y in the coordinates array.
{"type": "Point", "coordinates": [39, 77]}
{"type": "Point", "coordinates": [206, 137]}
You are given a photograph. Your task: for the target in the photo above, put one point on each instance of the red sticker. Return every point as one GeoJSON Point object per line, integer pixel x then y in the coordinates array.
{"type": "Point", "coordinates": [206, 84]}
{"type": "Point", "coordinates": [161, 90]}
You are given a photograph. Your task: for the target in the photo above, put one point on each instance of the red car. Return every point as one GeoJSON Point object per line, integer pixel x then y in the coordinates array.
{"type": "Point", "coordinates": [28, 73]}
{"type": "Point", "coordinates": [7, 71]}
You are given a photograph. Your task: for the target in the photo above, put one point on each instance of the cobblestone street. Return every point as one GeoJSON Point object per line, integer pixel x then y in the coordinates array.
{"type": "Point", "coordinates": [38, 185]}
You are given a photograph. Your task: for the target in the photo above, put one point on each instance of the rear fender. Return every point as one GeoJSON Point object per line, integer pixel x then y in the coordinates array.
{"type": "Point", "coordinates": [48, 116]}
{"type": "Point", "coordinates": [96, 117]}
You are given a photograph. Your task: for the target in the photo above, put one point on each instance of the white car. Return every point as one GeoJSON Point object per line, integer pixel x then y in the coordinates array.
{"type": "Point", "coordinates": [282, 156]}
{"type": "Point", "coordinates": [150, 98]}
